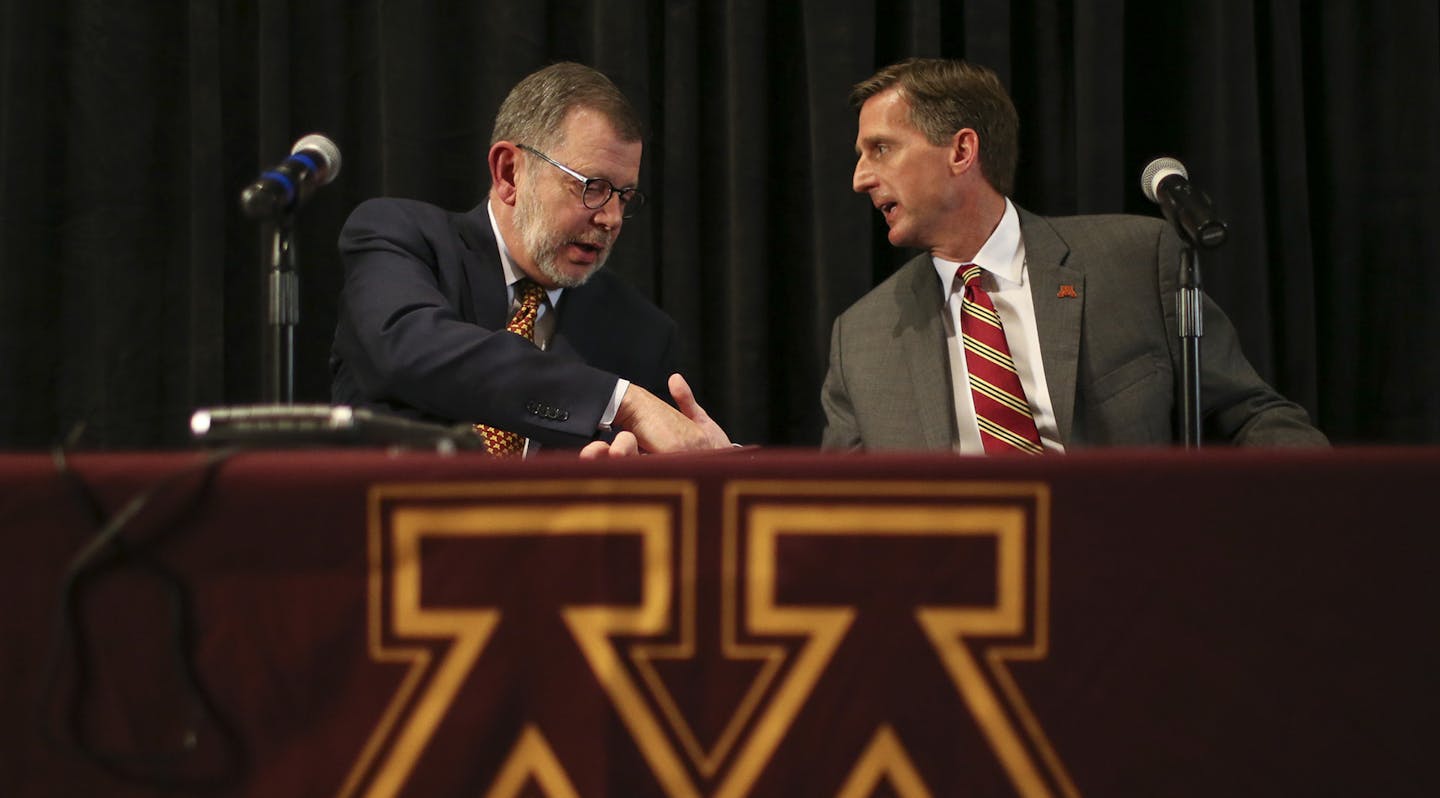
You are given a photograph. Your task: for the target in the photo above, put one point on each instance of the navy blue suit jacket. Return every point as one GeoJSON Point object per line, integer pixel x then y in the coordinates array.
{"type": "Point", "coordinates": [421, 331]}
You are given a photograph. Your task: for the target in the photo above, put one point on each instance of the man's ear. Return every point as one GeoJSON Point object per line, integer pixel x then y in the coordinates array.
{"type": "Point", "coordinates": [964, 151]}
{"type": "Point", "coordinates": [504, 166]}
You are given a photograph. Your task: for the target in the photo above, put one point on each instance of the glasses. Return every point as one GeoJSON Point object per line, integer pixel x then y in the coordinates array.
{"type": "Point", "coordinates": [598, 190]}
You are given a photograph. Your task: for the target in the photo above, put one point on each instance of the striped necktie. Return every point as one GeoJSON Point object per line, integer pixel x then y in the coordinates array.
{"type": "Point", "coordinates": [499, 442]}
{"type": "Point", "coordinates": [1006, 423]}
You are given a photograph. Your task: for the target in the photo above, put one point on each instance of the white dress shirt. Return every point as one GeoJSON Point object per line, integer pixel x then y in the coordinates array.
{"type": "Point", "coordinates": [1005, 279]}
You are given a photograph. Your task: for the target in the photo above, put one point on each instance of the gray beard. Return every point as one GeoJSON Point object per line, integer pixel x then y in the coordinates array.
{"type": "Point", "coordinates": [544, 243]}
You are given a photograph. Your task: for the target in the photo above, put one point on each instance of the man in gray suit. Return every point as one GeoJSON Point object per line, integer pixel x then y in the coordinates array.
{"type": "Point", "coordinates": [1087, 304]}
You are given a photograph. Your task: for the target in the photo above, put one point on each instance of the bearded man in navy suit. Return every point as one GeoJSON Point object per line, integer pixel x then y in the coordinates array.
{"type": "Point", "coordinates": [428, 293]}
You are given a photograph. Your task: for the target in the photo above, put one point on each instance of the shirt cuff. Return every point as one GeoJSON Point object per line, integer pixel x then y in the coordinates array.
{"type": "Point", "coordinates": [614, 407]}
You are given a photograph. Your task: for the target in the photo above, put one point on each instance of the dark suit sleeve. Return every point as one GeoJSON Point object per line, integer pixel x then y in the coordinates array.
{"type": "Point", "coordinates": [402, 340]}
{"type": "Point", "coordinates": [609, 325]}
{"type": "Point", "coordinates": [1237, 405]}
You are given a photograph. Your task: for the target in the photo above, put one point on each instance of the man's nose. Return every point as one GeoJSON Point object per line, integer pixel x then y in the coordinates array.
{"type": "Point", "coordinates": [611, 214]}
{"type": "Point", "coordinates": [862, 181]}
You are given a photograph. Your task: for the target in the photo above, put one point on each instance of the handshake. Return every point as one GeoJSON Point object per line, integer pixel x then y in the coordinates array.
{"type": "Point", "coordinates": [649, 424]}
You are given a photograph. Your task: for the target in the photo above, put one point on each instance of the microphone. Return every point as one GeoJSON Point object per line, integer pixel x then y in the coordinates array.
{"type": "Point", "coordinates": [314, 161]}
{"type": "Point", "coordinates": [1166, 183]}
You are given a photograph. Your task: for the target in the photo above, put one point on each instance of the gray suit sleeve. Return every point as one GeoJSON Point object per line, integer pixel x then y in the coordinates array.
{"type": "Point", "coordinates": [841, 430]}
{"type": "Point", "coordinates": [1238, 406]}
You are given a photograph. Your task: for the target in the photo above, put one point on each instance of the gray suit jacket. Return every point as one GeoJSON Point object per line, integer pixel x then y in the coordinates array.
{"type": "Point", "coordinates": [1111, 353]}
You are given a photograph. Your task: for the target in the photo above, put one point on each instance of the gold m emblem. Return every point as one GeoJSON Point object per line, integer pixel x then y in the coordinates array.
{"type": "Point", "coordinates": [710, 590]}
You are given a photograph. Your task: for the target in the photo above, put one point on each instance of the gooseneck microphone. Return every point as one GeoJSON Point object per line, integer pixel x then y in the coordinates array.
{"type": "Point", "coordinates": [1166, 183]}
{"type": "Point", "coordinates": [314, 161]}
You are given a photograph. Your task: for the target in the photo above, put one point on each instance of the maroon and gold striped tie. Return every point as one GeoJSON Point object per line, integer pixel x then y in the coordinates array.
{"type": "Point", "coordinates": [499, 442]}
{"type": "Point", "coordinates": [1006, 423]}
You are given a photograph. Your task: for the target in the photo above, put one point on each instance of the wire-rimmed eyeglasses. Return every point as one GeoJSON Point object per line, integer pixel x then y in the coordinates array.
{"type": "Point", "coordinates": [598, 190]}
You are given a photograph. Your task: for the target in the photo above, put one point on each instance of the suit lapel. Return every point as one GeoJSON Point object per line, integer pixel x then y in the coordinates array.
{"type": "Point", "coordinates": [1058, 312]}
{"type": "Point", "coordinates": [485, 292]}
{"type": "Point", "coordinates": [922, 335]}
{"type": "Point", "coordinates": [572, 313]}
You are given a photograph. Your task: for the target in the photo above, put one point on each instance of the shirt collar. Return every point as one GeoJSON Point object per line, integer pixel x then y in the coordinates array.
{"type": "Point", "coordinates": [997, 256]}
{"type": "Point", "coordinates": [513, 274]}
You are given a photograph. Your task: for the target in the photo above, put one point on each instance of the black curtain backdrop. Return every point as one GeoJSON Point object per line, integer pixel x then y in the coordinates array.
{"type": "Point", "coordinates": [131, 288]}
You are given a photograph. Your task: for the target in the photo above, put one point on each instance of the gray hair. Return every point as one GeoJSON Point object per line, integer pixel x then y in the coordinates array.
{"type": "Point", "coordinates": [534, 112]}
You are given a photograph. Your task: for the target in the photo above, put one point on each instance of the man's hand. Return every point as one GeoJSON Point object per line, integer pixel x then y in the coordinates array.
{"type": "Point", "coordinates": [685, 399]}
{"type": "Point", "coordinates": [624, 445]}
{"type": "Point", "coordinates": [657, 426]}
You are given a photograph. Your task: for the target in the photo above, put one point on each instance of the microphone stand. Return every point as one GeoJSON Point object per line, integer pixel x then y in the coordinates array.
{"type": "Point", "coordinates": [274, 200]}
{"type": "Point", "coordinates": [282, 313]}
{"type": "Point", "coordinates": [1189, 211]}
{"type": "Point", "coordinates": [1188, 308]}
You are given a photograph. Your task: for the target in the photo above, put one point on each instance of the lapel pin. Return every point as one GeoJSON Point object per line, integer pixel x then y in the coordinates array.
{"type": "Point", "coordinates": [1067, 291]}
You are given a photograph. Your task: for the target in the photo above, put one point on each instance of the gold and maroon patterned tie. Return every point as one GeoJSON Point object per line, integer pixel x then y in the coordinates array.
{"type": "Point", "coordinates": [499, 442]}
{"type": "Point", "coordinates": [1006, 423]}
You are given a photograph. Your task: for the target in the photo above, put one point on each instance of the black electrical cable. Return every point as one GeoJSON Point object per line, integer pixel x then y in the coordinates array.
{"type": "Point", "coordinates": [109, 549]}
